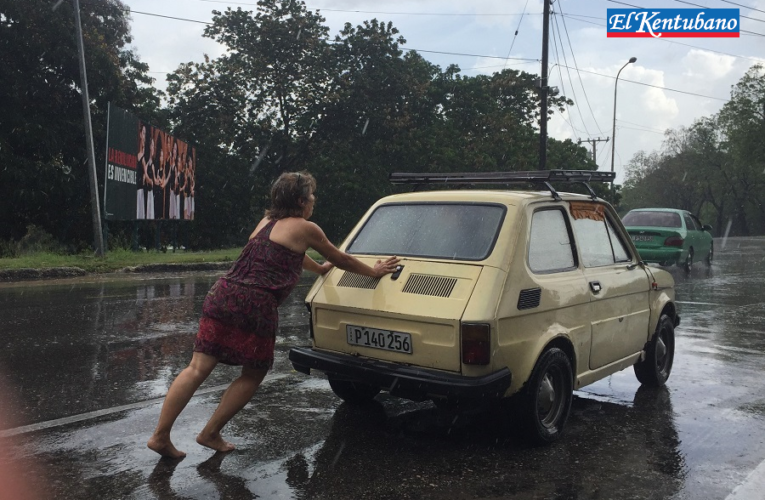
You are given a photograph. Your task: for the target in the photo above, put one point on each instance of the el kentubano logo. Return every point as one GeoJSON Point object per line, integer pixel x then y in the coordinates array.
{"type": "Point", "coordinates": [673, 23]}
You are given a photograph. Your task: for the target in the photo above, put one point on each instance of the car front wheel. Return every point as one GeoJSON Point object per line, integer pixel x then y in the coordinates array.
{"type": "Point", "coordinates": [356, 393]}
{"type": "Point", "coordinates": [546, 399]}
{"type": "Point", "coordinates": [654, 370]}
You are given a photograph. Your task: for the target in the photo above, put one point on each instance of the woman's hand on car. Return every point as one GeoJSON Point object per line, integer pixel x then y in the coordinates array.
{"type": "Point", "coordinates": [326, 267]}
{"type": "Point", "coordinates": [387, 266]}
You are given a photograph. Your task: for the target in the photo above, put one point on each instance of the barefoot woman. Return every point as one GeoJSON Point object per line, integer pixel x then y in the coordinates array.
{"type": "Point", "coordinates": [239, 315]}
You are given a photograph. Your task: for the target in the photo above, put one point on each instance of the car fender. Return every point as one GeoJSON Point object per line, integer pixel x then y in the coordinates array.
{"type": "Point", "coordinates": [662, 296]}
{"type": "Point", "coordinates": [523, 355]}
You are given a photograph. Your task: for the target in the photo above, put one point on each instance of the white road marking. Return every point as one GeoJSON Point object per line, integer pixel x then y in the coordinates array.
{"type": "Point", "coordinates": [108, 411]}
{"type": "Point", "coordinates": [753, 487]}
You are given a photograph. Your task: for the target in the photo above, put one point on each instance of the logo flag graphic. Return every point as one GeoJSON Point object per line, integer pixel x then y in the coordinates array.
{"type": "Point", "coordinates": [673, 23]}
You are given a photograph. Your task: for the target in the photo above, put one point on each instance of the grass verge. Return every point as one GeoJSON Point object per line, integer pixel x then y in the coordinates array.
{"type": "Point", "coordinates": [115, 260]}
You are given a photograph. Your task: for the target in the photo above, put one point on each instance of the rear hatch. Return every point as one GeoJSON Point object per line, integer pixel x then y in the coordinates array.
{"type": "Point", "coordinates": [413, 319]}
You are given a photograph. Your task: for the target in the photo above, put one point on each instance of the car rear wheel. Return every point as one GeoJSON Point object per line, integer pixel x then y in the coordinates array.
{"type": "Point", "coordinates": [654, 370]}
{"type": "Point", "coordinates": [356, 393]}
{"type": "Point", "coordinates": [710, 255]}
{"type": "Point", "coordinates": [546, 399]}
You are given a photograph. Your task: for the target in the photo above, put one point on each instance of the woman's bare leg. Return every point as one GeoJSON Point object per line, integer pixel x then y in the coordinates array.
{"type": "Point", "coordinates": [182, 389]}
{"type": "Point", "coordinates": [236, 396]}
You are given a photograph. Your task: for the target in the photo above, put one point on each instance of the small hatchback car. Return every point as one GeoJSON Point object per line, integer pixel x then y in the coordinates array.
{"type": "Point", "coordinates": [668, 236]}
{"type": "Point", "coordinates": [499, 294]}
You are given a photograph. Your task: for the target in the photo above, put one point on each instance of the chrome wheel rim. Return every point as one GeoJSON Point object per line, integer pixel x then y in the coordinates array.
{"type": "Point", "coordinates": [550, 399]}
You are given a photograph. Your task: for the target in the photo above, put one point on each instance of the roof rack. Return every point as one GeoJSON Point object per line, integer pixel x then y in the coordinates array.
{"type": "Point", "coordinates": [535, 177]}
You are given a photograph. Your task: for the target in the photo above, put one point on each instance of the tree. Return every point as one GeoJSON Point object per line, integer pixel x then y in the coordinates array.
{"type": "Point", "coordinates": [351, 110]}
{"type": "Point", "coordinates": [715, 167]}
{"type": "Point", "coordinates": [44, 177]}
{"type": "Point", "coordinates": [742, 120]}
{"type": "Point", "coordinates": [251, 111]}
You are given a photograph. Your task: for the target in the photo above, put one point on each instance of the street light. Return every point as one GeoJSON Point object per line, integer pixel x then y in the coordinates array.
{"type": "Point", "coordinates": [613, 132]}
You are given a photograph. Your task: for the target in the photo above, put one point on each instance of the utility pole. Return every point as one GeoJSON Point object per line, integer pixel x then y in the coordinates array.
{"type": "Point", "coordinates": [94, 203]}
{"type": "Point", "coordinates": [592, 142]}
{"type": "Point", "coordinates": [544, 89]}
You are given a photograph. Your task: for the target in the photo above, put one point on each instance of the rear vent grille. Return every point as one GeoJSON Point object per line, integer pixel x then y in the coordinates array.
{"type": "Point", "coordinates": [353, 280]}
{"type": "Point", "coordinates": [529, 299]}
{"type": "Point", "coordinates": [423, 284]}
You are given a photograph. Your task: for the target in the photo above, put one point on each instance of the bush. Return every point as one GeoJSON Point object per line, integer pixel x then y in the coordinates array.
{"type": "Point", "coordinates": [37, 240]}
{"type": "Point", "coordinates": [8, 249]}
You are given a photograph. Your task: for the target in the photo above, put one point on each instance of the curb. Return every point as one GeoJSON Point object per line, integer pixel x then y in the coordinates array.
{"type": "Point", "coordinates": [25, 274]}
{"type": "Point", "coordinates": [164, 268]}
{"type": "Point", "coordinates": [32, 274]}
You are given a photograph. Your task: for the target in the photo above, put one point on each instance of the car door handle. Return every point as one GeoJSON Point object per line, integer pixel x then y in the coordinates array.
{"type": "Point", "coordinates": [595, 286]}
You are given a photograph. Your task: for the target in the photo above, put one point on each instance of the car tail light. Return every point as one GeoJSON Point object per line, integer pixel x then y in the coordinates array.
{"type": "Point", "coordinates": [476, 343]}
{"type": "Point", "coordinates": [310, 319]}
{"type": "Point", "coordinates": [673, 241]}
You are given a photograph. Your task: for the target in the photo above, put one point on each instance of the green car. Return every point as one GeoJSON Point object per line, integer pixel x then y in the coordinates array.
{"type": "Point", "coordinates": [668, 236]}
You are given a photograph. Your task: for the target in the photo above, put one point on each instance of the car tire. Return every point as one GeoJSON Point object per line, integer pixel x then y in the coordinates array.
{"type": "Point", "coordinates": [710, 255]}
{"type": "Point", "coordinates": [688, 264]}
{"type": "Point", "coordinates": [545, 402]}
{"type": "Point", "coordinates": [356, 393]}
{"type": "Point", "coordinates": [655, 368]}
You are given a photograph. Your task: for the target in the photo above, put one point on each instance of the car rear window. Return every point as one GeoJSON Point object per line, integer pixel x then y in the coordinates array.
{"type": "Point", "coordinates": [653, 219]}
{"type": "Point", "coordinates": [457, 231]}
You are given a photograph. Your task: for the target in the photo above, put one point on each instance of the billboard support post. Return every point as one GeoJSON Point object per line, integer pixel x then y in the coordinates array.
{"type": "Point", "coordinates": [94, 204]}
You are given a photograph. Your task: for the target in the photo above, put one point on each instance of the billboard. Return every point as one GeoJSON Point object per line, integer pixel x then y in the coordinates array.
{"type": "Point", "coordinates": [149, 173]}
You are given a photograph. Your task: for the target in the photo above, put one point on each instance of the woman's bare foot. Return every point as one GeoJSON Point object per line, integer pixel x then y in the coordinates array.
{"type": "Point", "coordinates": [164, 447]}
{"type": "Point", "coordinates": [215, 442]}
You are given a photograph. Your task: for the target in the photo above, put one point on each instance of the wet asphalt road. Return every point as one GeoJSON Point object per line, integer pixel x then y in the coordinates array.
{"type": "Point", "coordinates": [85, 363]}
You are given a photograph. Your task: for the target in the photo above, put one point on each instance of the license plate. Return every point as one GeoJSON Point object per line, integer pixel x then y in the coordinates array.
{"type": "Point", "coordinates": [642, 238]}
{"type": "Point", "coordinates": [379, 339]}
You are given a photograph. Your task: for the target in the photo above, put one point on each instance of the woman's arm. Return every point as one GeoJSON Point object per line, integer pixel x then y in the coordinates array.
{"type": "Point", "coordinates": [316, 239]}
{"type": "Point", "coordinates": [311, 265]}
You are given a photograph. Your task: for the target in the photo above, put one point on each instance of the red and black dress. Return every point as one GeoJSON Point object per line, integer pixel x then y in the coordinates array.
{"type": "Point", "coordinates": [239, 315]}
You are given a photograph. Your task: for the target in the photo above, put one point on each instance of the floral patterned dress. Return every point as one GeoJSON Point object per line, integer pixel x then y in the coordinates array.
{"type": "Point", "coordinates": [239, 315]}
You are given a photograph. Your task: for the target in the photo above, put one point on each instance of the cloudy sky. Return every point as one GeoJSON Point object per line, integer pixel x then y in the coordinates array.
{"type": "Point", "coordinates": [673, 82]}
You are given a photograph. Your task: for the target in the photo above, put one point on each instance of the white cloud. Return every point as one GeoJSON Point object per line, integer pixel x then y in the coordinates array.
{"type": "Point", "coordinates": [707, 65]}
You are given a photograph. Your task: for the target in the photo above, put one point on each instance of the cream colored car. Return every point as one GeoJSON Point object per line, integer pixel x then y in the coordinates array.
{"type": "Point", "coordinates": [499, 294]}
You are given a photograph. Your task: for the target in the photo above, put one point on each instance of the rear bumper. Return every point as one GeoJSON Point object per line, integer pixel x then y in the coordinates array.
{"type": "Point", "coordinates": [660, 255]}
{"type": "Point", "coordinates": [404, 381]}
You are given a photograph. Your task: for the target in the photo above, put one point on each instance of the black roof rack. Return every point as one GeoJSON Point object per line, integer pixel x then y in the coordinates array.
{"type": "Point", "coordinates": [535, 177]}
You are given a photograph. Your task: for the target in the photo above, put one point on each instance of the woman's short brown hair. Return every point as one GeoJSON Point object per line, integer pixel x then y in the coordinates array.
{"type": "Point", "coordinates": [287, 193]}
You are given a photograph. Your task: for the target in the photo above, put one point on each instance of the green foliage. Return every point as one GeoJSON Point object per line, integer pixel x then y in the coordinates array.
{"type": "Point", "coordinates": [714, 168]}
{"type": "Point", "coordinates": [44, 176]}
{"type": "Point", "coordinates": [284, 96]}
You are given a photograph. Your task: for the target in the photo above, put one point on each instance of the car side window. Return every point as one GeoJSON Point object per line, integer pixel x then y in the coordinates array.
{"type": "Point", "coordinates": [620, 250]}
{"type": "Point", "coordinates": [599, 244]}
{"type": "Point", "coordinates": [594, 242]}
{"type": "Point", "coordinates": [698, 223]}
{"type": "Point", "coordinates": [689, 224]}
{"type": "Point", "coordinates": [550, 247]}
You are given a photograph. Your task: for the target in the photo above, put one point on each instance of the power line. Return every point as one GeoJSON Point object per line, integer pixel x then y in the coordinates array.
{"type": "Point", "coordinates": [667, 40]}
{"type": "Point", "coordinates": [641, 129]}
{"type": "Point", "coordinates": [402, 48]}
{"type": "Point", "coordinates": [577, 132]}
{"type": "Point", "coordinates": [681, 1]}
{"type": "Point", "coordinates": [377, 12]}
{"type": "Point", "coordinates": [703, 7]}
{"type": "Point", "coordinates": [576, 65]}
{"type": "Point", "coordinates": [668, 89]}
{"type": "Point", "coordinates": [745, 6]}
{"type": "Point", "coordinates": [556, 30]}
{"type": "Point", "coordinates": [167, 17]}
{"type": "Point", "coordinates": [517, 30]}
